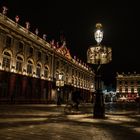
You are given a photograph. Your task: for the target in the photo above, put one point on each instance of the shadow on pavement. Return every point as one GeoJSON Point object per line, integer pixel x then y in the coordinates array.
{"type": "Point", "coordinates": [117, 126]}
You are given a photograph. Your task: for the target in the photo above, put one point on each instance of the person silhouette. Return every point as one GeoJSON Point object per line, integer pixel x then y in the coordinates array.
{"type": "Point", "coordinates": [76, 98]}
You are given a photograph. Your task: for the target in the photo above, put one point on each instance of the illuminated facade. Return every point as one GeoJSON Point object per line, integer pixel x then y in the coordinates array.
{"type": "Point", "coordinates": [29, 67]}
{"type": "Point", "coordinates": [128, 85]}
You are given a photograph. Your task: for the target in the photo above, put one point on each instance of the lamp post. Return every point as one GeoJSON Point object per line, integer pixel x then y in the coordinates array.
{"type": "Point", "coordinates": [99, 55]}
{"type": "Point", "coordinates": [59, 84]}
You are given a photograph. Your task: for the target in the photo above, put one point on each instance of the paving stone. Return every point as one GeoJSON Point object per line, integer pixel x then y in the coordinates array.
{"type": "Point", "coordinates": [49, 122]}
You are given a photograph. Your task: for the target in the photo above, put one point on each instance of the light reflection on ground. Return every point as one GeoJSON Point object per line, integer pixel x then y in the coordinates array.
{"type": "Point", "coordinates": [40, 122]}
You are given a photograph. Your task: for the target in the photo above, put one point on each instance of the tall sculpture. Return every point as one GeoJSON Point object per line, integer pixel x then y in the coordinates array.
{"type": "Point", "coordinates": [98, 55]}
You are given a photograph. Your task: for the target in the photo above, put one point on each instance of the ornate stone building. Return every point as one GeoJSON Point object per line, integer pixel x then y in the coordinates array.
{"type": "Point", "coordinates": [30, 66]}
{"type": "Point", "coordinates": [128, 85]}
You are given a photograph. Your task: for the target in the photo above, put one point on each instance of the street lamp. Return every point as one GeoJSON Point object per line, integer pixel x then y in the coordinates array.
{"type": "Point", "coordinates": [59, 84]}
{"type": "Point", "coordinates": [99, 55]}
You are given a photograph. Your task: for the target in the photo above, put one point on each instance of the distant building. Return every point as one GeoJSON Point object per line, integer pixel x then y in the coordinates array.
{"type": "Point", "coordinates": [128, 85]}
{"type": "Point", "coordinates": [30, 67]}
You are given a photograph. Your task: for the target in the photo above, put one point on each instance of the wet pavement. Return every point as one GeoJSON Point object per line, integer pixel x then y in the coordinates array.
{"type": "Point", "coordinates": [50, 122]}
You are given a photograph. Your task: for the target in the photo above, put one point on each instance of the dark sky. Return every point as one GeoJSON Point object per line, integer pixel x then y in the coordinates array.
{"type": "Point", "coordinates": [76, 19]}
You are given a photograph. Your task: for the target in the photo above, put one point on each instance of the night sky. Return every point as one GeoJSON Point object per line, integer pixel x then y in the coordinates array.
{"type": "Point", "coordinates": [76, 20]}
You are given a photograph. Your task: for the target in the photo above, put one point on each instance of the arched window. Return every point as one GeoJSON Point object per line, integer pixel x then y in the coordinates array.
{"type": "Point", "coordinates": [38, 70]}
{"type": "Point", "coordinates": [29, 67]}
{"type": "Point", "coordinates": [19, 64]}
{"type": "Point", "coordinates": [6, 60]}
{"type": "Point", "coordinates": [46, 72]}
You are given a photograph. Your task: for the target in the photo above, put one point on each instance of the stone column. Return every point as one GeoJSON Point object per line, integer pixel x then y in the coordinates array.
{"type": "Point", "coordinates": [12, 87]}
{"type": "Point", "coordinates": [24, 86]}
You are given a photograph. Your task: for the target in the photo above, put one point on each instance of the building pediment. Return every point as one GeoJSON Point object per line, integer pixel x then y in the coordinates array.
{"type": "Point", "coordinates": [64, 51]}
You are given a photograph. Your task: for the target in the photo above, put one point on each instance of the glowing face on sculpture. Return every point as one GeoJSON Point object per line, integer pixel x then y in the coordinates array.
{"type": "Point", "coordinates": [98, 35]}
{"type": "Point", "coordinates": [60, 76]}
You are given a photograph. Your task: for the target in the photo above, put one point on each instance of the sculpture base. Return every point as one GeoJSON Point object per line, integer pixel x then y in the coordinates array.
{"type": "Point", "coordinates": [99, 107]}
{"type": "Point", "coordinates": [99, 111]}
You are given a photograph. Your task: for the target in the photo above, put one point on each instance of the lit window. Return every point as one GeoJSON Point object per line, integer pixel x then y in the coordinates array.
{"type": "Point", "coordinates": [6, 60]}
{"type": "Point", "coordinates": [38, 70]}
{"type": "Point", "coordinates": [19, 64]}
{"type": "Point", "coordinates": [29, 67]}
{"type": "Point", "coordinates": [46, 71]}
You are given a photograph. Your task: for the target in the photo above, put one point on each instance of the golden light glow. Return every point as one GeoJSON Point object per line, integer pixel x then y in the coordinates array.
{"type": "Point", "coordinates": [99, 54]}
{"type": "Point", "coordinates": [98, 34]}
{"type": "Point", "coordinates": [98, 25]}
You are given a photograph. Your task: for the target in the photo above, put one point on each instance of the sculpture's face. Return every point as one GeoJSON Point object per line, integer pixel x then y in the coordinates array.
{"type": "Point", "coordinates": [98, 35]}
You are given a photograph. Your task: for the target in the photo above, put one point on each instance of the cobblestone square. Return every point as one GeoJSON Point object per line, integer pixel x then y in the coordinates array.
{"type": "Point", "coordinates": [49, 122]}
